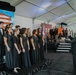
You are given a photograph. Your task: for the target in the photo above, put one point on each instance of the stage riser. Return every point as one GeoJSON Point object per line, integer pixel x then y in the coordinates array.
{"type": "Point", "coordinates": [64, 47]}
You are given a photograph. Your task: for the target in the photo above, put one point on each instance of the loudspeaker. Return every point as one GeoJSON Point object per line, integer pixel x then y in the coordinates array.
{"type": "Point", "coordinates": [62, 23]}
{"type": "Point", "coordinates": [6, 6]}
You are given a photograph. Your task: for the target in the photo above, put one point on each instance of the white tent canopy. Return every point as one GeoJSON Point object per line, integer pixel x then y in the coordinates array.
{"type": "Point", "coordinates": [56, 11]}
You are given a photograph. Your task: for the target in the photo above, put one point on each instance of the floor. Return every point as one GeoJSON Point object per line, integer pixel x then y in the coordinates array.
{"type": "Point", "coordinates": [62, 64]}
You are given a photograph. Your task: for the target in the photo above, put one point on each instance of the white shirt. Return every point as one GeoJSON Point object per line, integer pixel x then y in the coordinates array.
{"type": "Point", "coordinates": [1, 31]}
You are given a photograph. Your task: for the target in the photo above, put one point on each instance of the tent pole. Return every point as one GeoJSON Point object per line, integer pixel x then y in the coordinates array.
{"type": "Point", "coordinates": [47, 36]}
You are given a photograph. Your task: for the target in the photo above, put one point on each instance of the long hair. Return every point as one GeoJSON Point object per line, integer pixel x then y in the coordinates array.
{"type": "Point", "coordinates": [7, 29]}
{"type": "Point", "coordinates": [28, 33]}
{"type": "Point", "coordinates": [1, 22]}
{"type": "Point", "coordinates": [10, 24]}
{"type": "Point", "coordinates": [23, 30]}
{"type": "Point", "coordinates": [17, 26]}
{"type": "Point", "coordinates": [34, 31]}
{"type": "Point", "coordinates": [38, 31]}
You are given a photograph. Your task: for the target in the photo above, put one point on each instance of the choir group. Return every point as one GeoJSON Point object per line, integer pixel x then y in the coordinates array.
{"type": "Point", "coordinates": [20, 47]}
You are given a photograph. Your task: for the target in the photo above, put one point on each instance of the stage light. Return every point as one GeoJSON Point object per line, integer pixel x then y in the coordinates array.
{"type": "Point", "coordinates": [59, 18]}
{"type": "Point", "coordinates": [62, 23]}
{"type": "Point", "coordinates": [41, 9]}
{"type": "Point", "coordinates": [46, 5]}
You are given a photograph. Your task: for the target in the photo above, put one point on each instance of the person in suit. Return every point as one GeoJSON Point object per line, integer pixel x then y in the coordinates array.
{"type": "Point", "coordinates": [1, 41]}
{"type": "Point", "coordinates": [73, 48]}
{"type": "Point", "coordinates": [11, 25]}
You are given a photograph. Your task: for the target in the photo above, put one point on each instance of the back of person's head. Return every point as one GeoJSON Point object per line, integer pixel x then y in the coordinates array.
{"type": "Point", "coordinates": [34, 31]}
{"type": "Point", "coordinates": [28, 32]}
{"type": "Point", "coordinates": [20, 30]}
{"type": "Point", "coordinates": [17, 26]}
{"type": "Point", "coordinates": [15, 30]}
{"type": "Point", "coordinates": [23, 30]}
{"type": "Point", "coordinates": [29, 29]}
{"type": "Point", "coordinates": [10, 24]}
{"type": "Point", "coordinates": [1, 22]}
{"type": "Point", "coordinates": [38, 29]}
{"type": "Point", "coordinates": [7, 26]}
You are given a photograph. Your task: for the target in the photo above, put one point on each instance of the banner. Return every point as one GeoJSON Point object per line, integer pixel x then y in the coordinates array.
{"type": "Point", "coordinates": [7, 17]}
{"type": "Point", "coordinates": [45, 29]}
